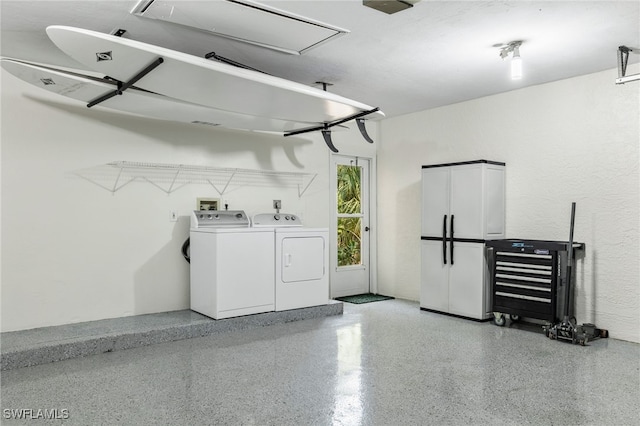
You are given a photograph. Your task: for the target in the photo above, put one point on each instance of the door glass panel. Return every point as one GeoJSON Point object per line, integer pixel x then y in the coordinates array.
{"type": "Point", "coordinates": [349, 241]}
{"type": "Point", "coordinates": [349, 205]}
{"type": "Point", "coordinates": [349, 189]}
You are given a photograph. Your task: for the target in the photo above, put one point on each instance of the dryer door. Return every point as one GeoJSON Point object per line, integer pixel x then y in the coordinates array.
{"type": "Point", "coordinates": [302, 259]}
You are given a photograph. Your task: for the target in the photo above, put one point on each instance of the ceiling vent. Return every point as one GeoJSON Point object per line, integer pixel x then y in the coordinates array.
{"type": "Point", "coordinates": [389, 6]}
{"type": "Point", "coordinates": [245, 21]}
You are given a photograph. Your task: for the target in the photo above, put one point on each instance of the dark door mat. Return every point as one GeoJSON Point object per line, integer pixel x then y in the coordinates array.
{"type": "Point", "coordinates": [364, 298]}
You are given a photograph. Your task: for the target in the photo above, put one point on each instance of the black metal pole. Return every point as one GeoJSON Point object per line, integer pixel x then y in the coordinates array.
{"type": "Point", "coordinates": [567, 291]}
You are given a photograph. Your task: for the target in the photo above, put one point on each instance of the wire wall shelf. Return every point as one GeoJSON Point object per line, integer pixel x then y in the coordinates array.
{"type": "Point", "coordinates": [169, 178]}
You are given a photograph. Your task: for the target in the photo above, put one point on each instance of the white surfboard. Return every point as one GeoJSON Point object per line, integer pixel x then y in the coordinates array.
{"type": "Point", "coordinates": [85, 88]}
{"type": "Point", "coordinates": [200, 81]}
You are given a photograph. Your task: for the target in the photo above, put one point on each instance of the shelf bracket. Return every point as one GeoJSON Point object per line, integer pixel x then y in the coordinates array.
{"type": "Point", "coordinates": [225, 186]}
{"type": "Point", "coordinates": [301, 193]}
{"type": "Point", "coordinates": [156, 185]}
{"type": "Point", "coordinates": [215, 187]}
{"type": "Point", "coordinates": [623, 60]}
{"type": "Point", "coordinates": [112, 190]}
{"type": "Point", "coordinates": [115, 184]}
{"type": "Point", "coordinates": [174, 180]}
{"type": "Point", "coordinates": [172, 187]}
{"type": "Point", "coordinates": [166, 191]}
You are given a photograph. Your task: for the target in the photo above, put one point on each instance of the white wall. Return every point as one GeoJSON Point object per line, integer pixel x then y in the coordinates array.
{"type": "Point", "coordinates": [571, 140]}
{"type": "Point", "coordinates": [72, 251]}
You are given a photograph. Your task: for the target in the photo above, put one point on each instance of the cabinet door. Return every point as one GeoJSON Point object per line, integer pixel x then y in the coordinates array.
{"type": "Point", "coordinates": [467, 291]}
{"type": "Point", "coordinates": [434, 287]}
{"type": "Point", "coordinates": [435, 200]}
{"type": "Point", "coordinates": [466, 201]}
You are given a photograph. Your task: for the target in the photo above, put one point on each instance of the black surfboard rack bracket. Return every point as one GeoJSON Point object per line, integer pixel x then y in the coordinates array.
{"type": "Point", "coordinates": [363, 130]}
{"type": "Point", "coordinates": [326, 132]}
{"type": "Point", "coordinates": [124, 86]}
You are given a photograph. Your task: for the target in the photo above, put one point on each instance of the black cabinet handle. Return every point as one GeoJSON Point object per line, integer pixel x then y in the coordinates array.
{"type": "Point", "coordinates": [444, 239]}
{"type": "Point", "coordinates": [451, 240]}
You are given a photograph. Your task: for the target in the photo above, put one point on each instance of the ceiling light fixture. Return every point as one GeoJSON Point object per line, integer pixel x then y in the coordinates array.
{"type": "Point", "coordinates": [513, 48]}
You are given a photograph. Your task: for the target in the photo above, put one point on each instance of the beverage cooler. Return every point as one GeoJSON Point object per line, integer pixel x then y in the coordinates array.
{"type": "Point", "coordinates": [463, 206]}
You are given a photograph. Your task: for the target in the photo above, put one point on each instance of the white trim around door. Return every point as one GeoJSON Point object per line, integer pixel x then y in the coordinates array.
{"type": "Point", "coordinates": [355, 271]}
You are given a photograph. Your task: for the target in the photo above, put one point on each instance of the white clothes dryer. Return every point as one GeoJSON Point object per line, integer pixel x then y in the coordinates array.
{"type": "Point", "coordinates": [301, 261]}
{"type": "Point", "coordinates": [232, 266]}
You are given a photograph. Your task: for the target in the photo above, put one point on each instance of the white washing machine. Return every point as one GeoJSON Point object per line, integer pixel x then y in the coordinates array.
{"type": "Point", "coordinates": [301, 261]}
{"type": "Point", "coordinates": [232, 265]}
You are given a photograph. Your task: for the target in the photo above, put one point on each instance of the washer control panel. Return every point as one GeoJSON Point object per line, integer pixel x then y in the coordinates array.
{"type": "Point", "coordinates": [219, 219]}
{"type": "Point", "coordinates": [276, 220]}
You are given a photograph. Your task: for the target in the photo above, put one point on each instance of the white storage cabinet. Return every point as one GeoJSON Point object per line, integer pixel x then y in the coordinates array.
{"type": "Point", "coordinates": [463, 205]}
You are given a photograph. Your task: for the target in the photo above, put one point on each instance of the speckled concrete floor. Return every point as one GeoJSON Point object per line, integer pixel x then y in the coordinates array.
{"type": "Point", "coordinates": [383, 363]}
{"type": "Point", "coordinates": [27, 348]}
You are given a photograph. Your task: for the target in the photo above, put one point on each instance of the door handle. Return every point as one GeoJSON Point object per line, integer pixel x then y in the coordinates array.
{"type": "Point", "coordinates": [451, 240]}
{"type": "Point", "coordinates": [366, 229]}
{"type": "Point", "coordinates": [287, 260]}
{"type": "Point", "coordinates": [444, 239]}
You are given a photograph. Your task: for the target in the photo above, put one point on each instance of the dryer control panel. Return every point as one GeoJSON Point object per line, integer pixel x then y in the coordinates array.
{"type": "Point", "coordinates": [276, 220]}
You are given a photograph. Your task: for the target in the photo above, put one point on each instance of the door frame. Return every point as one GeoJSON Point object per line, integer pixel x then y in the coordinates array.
{"type": "Point", "coordinates": [373, 218]}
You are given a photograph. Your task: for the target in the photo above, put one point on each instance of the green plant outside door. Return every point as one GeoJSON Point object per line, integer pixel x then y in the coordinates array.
{"type": "Point", "coordinates": [349, 202]}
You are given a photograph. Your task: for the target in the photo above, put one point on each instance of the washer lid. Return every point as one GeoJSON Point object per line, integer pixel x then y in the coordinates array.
{"type": "Point", "coordinates": [276, 220]}
{"type": "Point", "coordinates": [219, 219]}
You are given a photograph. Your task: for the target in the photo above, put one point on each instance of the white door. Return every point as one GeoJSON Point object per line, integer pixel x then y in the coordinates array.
{"type": "Point", "coordinates": [350, 262]}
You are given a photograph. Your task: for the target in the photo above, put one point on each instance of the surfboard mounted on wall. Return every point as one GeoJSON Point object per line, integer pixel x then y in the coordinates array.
{"type": "Point", "coordinates": [192, 82]}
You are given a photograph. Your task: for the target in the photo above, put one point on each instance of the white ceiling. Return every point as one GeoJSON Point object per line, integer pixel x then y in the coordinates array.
{"type": "Point", "coordinates": [436, 53]}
